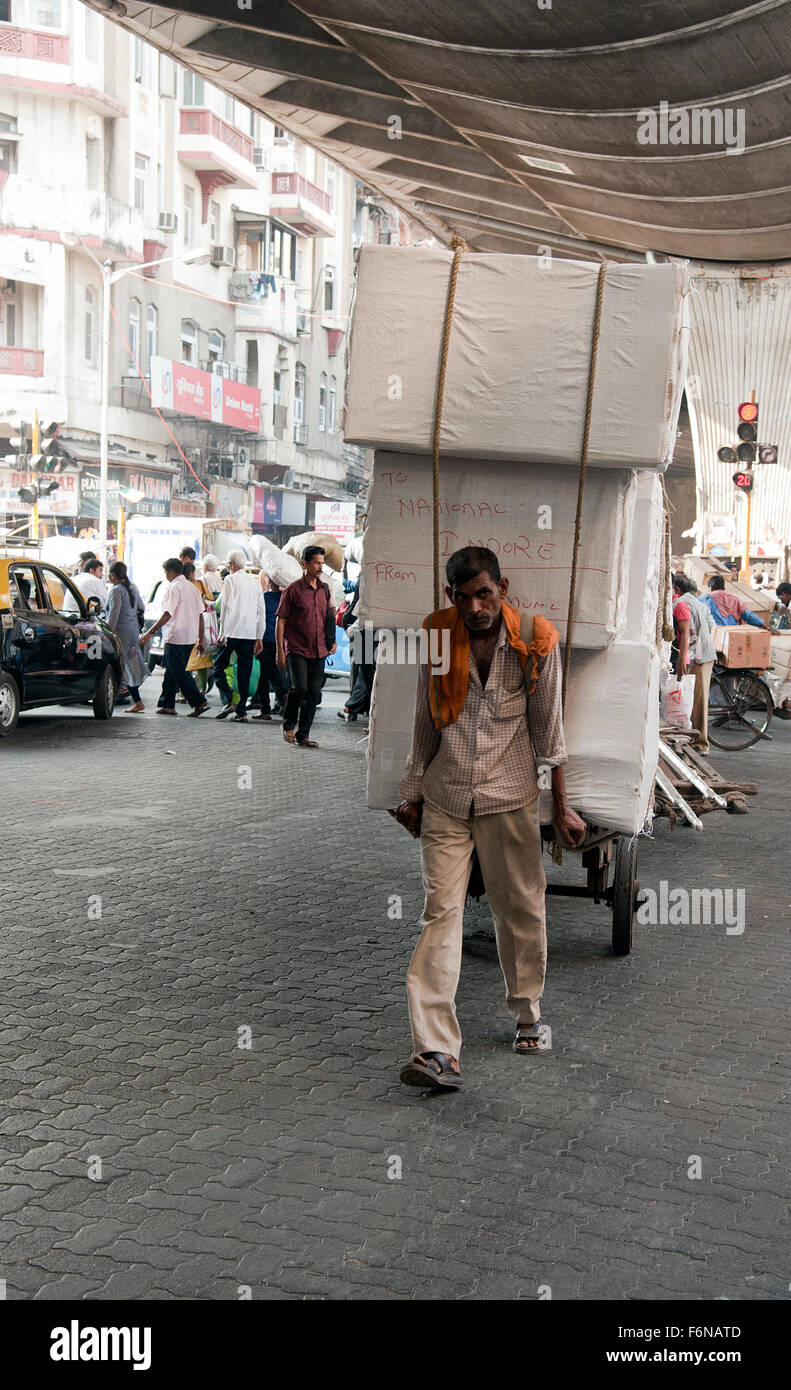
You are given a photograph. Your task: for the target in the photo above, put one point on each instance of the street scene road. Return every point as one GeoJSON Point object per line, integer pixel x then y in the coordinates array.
{"type": "Point", "coordinates": [200, 1088]}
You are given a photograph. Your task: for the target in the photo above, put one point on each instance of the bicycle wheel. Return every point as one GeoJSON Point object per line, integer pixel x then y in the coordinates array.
{"type": "Point", "coordinates": [740, 710]}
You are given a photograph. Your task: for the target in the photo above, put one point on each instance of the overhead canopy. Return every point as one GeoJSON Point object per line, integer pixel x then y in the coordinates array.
{"type": "Point", "coordinates": [660, 126]}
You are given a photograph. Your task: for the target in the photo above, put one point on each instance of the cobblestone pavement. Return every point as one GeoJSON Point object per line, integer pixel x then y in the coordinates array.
{"type": "Point", "coordinates": [226, 906]}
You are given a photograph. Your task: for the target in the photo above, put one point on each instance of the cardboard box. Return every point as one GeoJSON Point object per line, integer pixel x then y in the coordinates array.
{"type": "Point", "coordinates": [743, 646]}
{"type": "Point", "coordinates": [518, 364]}
{"type": "Point", "coordinates": [525, 514]}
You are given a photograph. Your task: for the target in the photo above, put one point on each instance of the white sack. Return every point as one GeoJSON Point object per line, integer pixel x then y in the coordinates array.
{"type": "Point", "coordinates": [333, 550]}
{"type": "Point", "coordinates": [274, 562]}
{"type": "Point", "coordinates": [612, 735]}
{"type": "Point", "coordinates": [498, 506]}
{"type": "Point", "coordinates": [517, 376]}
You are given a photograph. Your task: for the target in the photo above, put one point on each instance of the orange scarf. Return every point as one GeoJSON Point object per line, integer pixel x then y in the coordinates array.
{"type": "Point", "coordinates": [448, 692]}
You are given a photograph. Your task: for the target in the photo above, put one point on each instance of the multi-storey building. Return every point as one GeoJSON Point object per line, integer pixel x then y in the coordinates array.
{"type": "Point", "coordinates": [225, 374]}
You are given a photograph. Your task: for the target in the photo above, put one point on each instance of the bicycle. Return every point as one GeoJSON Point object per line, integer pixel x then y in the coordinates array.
{"type": "Point", "coordinates": [740, 708]}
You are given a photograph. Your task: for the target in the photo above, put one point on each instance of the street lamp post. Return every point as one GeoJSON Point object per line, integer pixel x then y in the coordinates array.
{"type": "Point", "coordinates": [109, 278]}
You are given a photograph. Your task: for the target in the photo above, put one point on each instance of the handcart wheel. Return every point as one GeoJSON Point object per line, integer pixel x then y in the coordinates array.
{"type": "Point", "coordinates": [624, 894]}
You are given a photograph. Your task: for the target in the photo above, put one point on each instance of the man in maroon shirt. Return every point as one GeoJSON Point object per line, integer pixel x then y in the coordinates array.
{"type": "Point", "coordinates": [304, 636]}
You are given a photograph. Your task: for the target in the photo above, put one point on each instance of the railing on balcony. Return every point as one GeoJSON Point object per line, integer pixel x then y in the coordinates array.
{"type": "Point", "coordinates": [32, 43]}
{"type": "Point", "coordinates": [296, 185]}
{"type": "Point", "coordinates": [204, 122]}
{"type": "Point", "coordinates": [230, 370]}
{"type": "Point", "coordinates": [22, 361]}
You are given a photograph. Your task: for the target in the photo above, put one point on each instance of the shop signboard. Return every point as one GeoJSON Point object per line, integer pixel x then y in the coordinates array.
{"type": "Point", "coordinates": [64, 501]}
{"type": "Point", "coordinates": [266, 507]}
{"type": "Point", "coordinates": [184, 389]}
{"type": "Point", "coordinates": [335, 519]}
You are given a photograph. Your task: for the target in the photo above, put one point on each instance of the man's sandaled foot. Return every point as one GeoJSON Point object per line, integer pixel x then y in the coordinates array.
{"type": "Point", "coordinates": [307, 743]}
{"type": "Point", "coordinates": [289, 736]}
{"type": "Point", "coordinates": [532, 1039]}
{"type": "Point", "coordinates": [435, 1070]}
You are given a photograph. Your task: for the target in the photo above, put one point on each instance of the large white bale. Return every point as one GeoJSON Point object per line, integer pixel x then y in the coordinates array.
{"type": "Point", "coordinates": [612, 735]}
{"type": "Point", "coordinates": [643, 560]}
{"type": "Point", "coordinates": [283, 569]}
{"type": "Point", "coordinates": [525, 514]}
{"type": "Point", "coordinates": [517, 375]}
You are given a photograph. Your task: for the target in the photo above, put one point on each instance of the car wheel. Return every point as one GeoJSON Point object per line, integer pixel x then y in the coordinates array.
{"type": "Point", "coordinates": [104, 699]}
{"type": "Point", "coordinates": [9, 705]}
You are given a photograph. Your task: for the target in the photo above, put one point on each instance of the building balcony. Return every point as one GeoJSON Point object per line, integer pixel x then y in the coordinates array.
{"type": "Point", "coordinates": [35, 53]}
{"type": "Point", "coordinates": [39, 60]}
{"type": "Point", "coordinates": [101, 221]}
{"type": "Point", "coordinates": [262, 308]}
{"type": "Point", "coordinates": [16, 361]}
{"type": "Point", "coordinates": [209, 144]}
{"type": "Point", "coordinates": [302, 205]}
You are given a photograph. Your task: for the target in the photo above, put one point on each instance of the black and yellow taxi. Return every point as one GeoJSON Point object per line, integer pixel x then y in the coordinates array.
{"type": "Point", "coordinates": [54, 649]}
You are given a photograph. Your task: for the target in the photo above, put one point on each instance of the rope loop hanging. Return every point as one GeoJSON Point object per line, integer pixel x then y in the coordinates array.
{"type": "Point", "coordinates": [664, 628]}
{"type": "Point", "coordinates": [458, 246]}
{"type": "Point", "coordinates": [581, 480]}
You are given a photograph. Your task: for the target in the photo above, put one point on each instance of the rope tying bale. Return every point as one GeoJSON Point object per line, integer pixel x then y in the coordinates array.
{"type": "Point", "coordinates": [459, 246]}
{"type": "Point", "coordinates": [664, 627]}
{"type": "Point", "coordinates": [581, 482]}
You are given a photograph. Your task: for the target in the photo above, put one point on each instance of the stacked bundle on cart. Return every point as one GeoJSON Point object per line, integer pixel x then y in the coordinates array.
{"type": "Point", "coordinates": [516, 401]}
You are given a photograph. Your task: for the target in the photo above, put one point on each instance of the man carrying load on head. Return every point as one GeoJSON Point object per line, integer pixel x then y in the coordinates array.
{"type": "Point", "coordinates": [480, 731]}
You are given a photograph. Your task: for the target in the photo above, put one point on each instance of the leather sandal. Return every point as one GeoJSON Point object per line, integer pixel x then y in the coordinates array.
{"type": "Point", "coordinates": [532, 1039]}
{"type": "Point", "coordinates": [434, 1070]}
{"type": "Point", "coordinates": [289, 736]}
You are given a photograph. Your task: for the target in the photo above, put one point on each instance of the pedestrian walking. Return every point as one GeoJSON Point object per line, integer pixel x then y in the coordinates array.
{"type": "Point", "coordinates": [305, 636]}
{"type": "Point", "coordinates": [471, 786]}
{"type": "Point", "coordinates": [242, 625]}
{"type": "Point", "coordinates": [271, 675]}
{"type": "Point", "coordinates": [211, 574]}
{"type": "Point", "coordinates": [696, 652]}
{"type": "Point", "coordinates": [182, 624]}
{"type": "Point", "coordinates": [123, 614]}
{"type": "Point", "coordinates": [200, 662]}
{"type": "Point", "coordinates": [361, 678]}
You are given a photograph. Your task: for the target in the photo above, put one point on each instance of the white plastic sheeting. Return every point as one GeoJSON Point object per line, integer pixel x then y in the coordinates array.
{"type": "Point", "coordinates": [644, 560]}
{"type": "Point", "coordinates": [518, 364]}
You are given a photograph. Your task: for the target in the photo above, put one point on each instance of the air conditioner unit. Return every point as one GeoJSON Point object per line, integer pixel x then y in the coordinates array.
{"type": "Point", "coordinates": [223, 255]}
{"type": "Point", "coordinates": [167, 222]}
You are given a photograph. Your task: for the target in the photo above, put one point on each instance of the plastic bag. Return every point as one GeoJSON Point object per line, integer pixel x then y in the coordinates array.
{"type": "Point", "coordinates": [675, 700]}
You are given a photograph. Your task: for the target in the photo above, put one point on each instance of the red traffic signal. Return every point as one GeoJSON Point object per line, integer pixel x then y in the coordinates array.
{"type": "Point", "coordinates": [748, 411]}
{"type": "Point", "coordinates": [744, 481]}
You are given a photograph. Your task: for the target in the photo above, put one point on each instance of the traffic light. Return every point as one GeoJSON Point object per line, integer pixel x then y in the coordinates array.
{"type": "Point", "coordinates": [744, 481]}
{"type": "Point", "coordinates": [748, 451]}
{"type": "Point", "coordinates": [20, 445]}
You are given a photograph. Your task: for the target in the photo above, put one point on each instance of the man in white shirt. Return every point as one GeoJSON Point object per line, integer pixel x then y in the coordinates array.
{"type": "Point", "coordinates": [182, 621]}
{"type": "Point", "coordinates": [242, 626]}
{"type": "Point", "coordinates": [90, 584]}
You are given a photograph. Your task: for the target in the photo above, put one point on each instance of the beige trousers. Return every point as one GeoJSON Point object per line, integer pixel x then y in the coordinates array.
{"type": "Point", "coordinates": [701, 670]}
{"type": "Point", "coordinates": [509, 850]}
